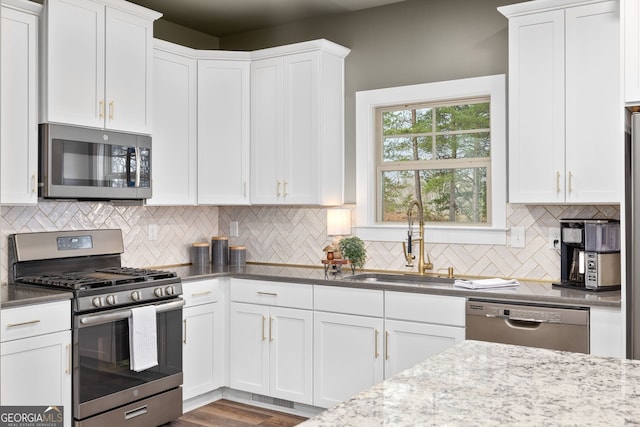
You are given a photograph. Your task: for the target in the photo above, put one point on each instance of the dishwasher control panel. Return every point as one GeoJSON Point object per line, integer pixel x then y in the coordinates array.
{"type": "Point", "coordinates": [527, 312]}
{"type": "Point", "coordinates": [524, 314]}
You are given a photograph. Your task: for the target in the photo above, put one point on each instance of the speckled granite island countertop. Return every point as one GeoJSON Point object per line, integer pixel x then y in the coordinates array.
{"type": "Point", "coordinates": [485, 384]}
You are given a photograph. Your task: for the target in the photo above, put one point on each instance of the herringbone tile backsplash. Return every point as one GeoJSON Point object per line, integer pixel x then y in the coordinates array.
{"type": "Point", "coordinates": [289, 235]}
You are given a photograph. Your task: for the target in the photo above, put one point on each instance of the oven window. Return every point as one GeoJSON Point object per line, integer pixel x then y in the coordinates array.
{"type": "Point", "coordinates": [102, 361]}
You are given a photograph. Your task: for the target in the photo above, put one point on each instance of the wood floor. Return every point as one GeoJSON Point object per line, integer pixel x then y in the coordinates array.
{"type": "Point", "coordinates": [225, 413]}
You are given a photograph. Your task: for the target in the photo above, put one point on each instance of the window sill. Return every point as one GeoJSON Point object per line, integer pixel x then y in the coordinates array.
{"type": "Point", "coordinates": [435, 234]}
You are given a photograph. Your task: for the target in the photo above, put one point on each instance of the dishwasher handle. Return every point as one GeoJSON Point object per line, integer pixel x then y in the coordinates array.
{"type": "Point", "coordinates": [524, 324]}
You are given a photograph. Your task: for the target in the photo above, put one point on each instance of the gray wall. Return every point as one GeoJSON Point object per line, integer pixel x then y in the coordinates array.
{"type": "Point", "coordinates": [168, 31]}
{"type": "Point", "coordinates": [417, 41]}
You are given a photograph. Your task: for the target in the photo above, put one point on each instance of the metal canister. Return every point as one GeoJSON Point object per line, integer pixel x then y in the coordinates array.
{"type": "Point", "coordinates": [237, 256]}
{"type": "Point", "coordinates": [219, 250]}
{"type": "Point", "coordinates": [199, 254]}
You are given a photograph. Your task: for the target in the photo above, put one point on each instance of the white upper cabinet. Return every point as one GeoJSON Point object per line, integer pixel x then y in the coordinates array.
{"type": "Point", "coordinates": [174, 180]}
{"type": "Point", "coordinates": [223, 128]}
{"type": "Point", "coordinates": [19, 108]}
{"type": "Point", "coordinates": [297, 138]}
{"type": "Point", "coordinates": [565, 140]}
{"type": "Point", "coordinates": [631, 13]}
{"type": "Point", "coordinates": [96, 64]}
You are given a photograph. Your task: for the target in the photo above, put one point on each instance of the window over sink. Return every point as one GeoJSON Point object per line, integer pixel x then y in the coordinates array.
{"type": "Point", "coordinates": [445, 141]}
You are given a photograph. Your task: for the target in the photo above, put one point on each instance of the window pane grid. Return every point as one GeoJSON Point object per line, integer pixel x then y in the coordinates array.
{"type": "Point", "coordinates": [448, 146]}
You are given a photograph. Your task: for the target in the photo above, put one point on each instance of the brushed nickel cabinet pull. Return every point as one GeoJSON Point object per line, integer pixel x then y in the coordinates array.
{"type": "Point", "coordinates": [557, 182]}
{"type": "Point", "coordinates": [111, 110]}
{"type": "Point", "coordinates": [284, 188]}
{"type": "Point", "coordinates": [386, 346]}
{"type": "Point", "coordinates": [278, 188]}
{"type": "Point", "coordinates": [270, 328]}
{"type": "Point", "coordinates": [34, 187]}
{"type": "Point", "coordinates": [570, 181]}
{"type": "Point", "coordinates": [30, 322]}
{"type": "Point", "coordinates": [101, 112]}
{"type": "Point", "coordinates": [271, 294]}
{"type": "Point", "coordinates": [68, 349]}
{"type": "Point", "coordinates": [200, 294]}
{"type": "Point", "coordinates": [376, 352]}
{"type": "Point", "coordinates": [264, 319]}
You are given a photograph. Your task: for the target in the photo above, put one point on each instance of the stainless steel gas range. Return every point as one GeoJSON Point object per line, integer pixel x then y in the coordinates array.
{"type": "Point", "coordinates": [107, 389]}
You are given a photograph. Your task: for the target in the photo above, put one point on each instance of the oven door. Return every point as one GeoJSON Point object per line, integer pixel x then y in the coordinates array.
{"type": "Point", "coordinates": [102, 376]}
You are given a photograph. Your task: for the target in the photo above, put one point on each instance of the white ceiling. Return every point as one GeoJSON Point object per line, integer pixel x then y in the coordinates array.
{"type": "Point", "coordinates": [223, 17]}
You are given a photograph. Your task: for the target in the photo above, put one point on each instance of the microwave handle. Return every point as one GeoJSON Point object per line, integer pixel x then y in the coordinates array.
{"type": "Point", "coordinates": [137, 154]}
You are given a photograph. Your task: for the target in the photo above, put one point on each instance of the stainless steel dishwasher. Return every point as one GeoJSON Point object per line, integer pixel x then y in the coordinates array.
{"type": "Point", "coordinates": [544, 326]}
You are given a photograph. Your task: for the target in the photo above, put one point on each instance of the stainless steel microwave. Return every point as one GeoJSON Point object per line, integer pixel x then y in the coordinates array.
{"type": "Point", "coordinates": [93, 164]}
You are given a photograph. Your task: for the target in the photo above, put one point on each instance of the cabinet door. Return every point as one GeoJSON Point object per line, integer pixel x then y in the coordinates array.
{"type": "Point", "coordinates": [631, 14]}
{"type": "Point", "coordinates": [347, 356]}
{"type": "Point", "coordinates": [202, 349]}
{"type": "Point", "coordinates": [408, 343]}
{"type": "Point", "coordinates": [249, 348]}
{"type": "Point", "coordinates": [174, 130]}
{"type": "Point", "coordinates": [19, 108]}
{"type": "Point", "coordinates": [267, 131]}
{"type": "Point", "coordinates": [291, 344]}
{"type": "Point", "coordinates": [30, 363]}
{"type": "Point", "coordinates": [223, 132]}
{"type": "Point", "coordinates": [301, 122]}
{"type": "Point", "coordinates": [75, 62]}
{"type": "Point", "coordinates": [594, 156]}
{"type": "Point", "coordinates": [129, 55]}
{"type": "Point", "coordinates": [536, 108]}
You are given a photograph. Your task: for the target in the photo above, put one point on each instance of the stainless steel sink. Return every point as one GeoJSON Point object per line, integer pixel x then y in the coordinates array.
{"type": "Point", "coordinates": [412, 279]}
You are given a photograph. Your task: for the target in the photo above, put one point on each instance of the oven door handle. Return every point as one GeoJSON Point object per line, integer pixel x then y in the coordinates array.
{"type": "Point", "coordinates": [94, 319]}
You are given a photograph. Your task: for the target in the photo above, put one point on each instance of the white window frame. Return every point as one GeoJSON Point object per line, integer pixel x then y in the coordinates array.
{"type": "Point", "coordinates": [366, 103]}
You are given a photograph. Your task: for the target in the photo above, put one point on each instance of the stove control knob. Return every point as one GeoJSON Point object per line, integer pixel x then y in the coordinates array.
{"type": "Point", "coordinates": [112, 300]}
{"type": "Point", "coordinates": [170, 290]}
{"type": "Point", "coordinates": [135, 295]}
{"type": "Point", "coordinates": [97, 302]}
{"type": "Point", "coordinates": [159, 292]}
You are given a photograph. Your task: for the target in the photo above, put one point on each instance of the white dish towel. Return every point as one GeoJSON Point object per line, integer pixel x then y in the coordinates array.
{"type": "Point", "coordinates": [143, 347]}
{"type": "Point", "coordinates": [485, 283]}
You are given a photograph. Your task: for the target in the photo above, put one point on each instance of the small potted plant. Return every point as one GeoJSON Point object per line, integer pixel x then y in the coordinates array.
{"type": "Point", "coordinates": [353, 249]}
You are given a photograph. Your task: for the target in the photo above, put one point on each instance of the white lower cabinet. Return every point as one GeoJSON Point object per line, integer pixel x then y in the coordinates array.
{"type": "Point", "coordinates": [363, 336]}
{"type": "Point", "coordinates": [271, 346]}
{"type": "Point", "coordinates": [203, 338]}
{"type": "Point", "coordinates": [417, 326]}
{"type": "Point", "coordinates": [348, 356]}
{"type": "Point", "coordinates": [35, 356]}
{"type": "Point", "coordinates": [348, 342]}
{"type": "Point", "coordinates": [606, 332]}
{"type": "Point", "coordinates": [409, 343]}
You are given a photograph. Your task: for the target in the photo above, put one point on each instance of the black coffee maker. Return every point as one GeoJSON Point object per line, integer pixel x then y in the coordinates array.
{"type": "Point", "coordinates": [590, 254]}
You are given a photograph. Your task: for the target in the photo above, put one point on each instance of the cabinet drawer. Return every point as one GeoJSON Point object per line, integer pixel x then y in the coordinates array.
{"type": "Point", "coordinates": [438, 309]}
{"type": "Point", "coordinates": [201, 291]}
{"type": "Point", "coordinates": [364, 302]}
{"type": "Point", "coordinates": [37, 319]}
{"type": "Point", "coordinates": [272, 293]}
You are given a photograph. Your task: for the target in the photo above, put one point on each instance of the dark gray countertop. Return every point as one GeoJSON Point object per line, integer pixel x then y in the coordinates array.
{"type": "Point", "coordinates": [19, 295]}
{"type": "Point", "coordinates": [537, 292]}
{"type": "Point", "coordinates": [527, 291]}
